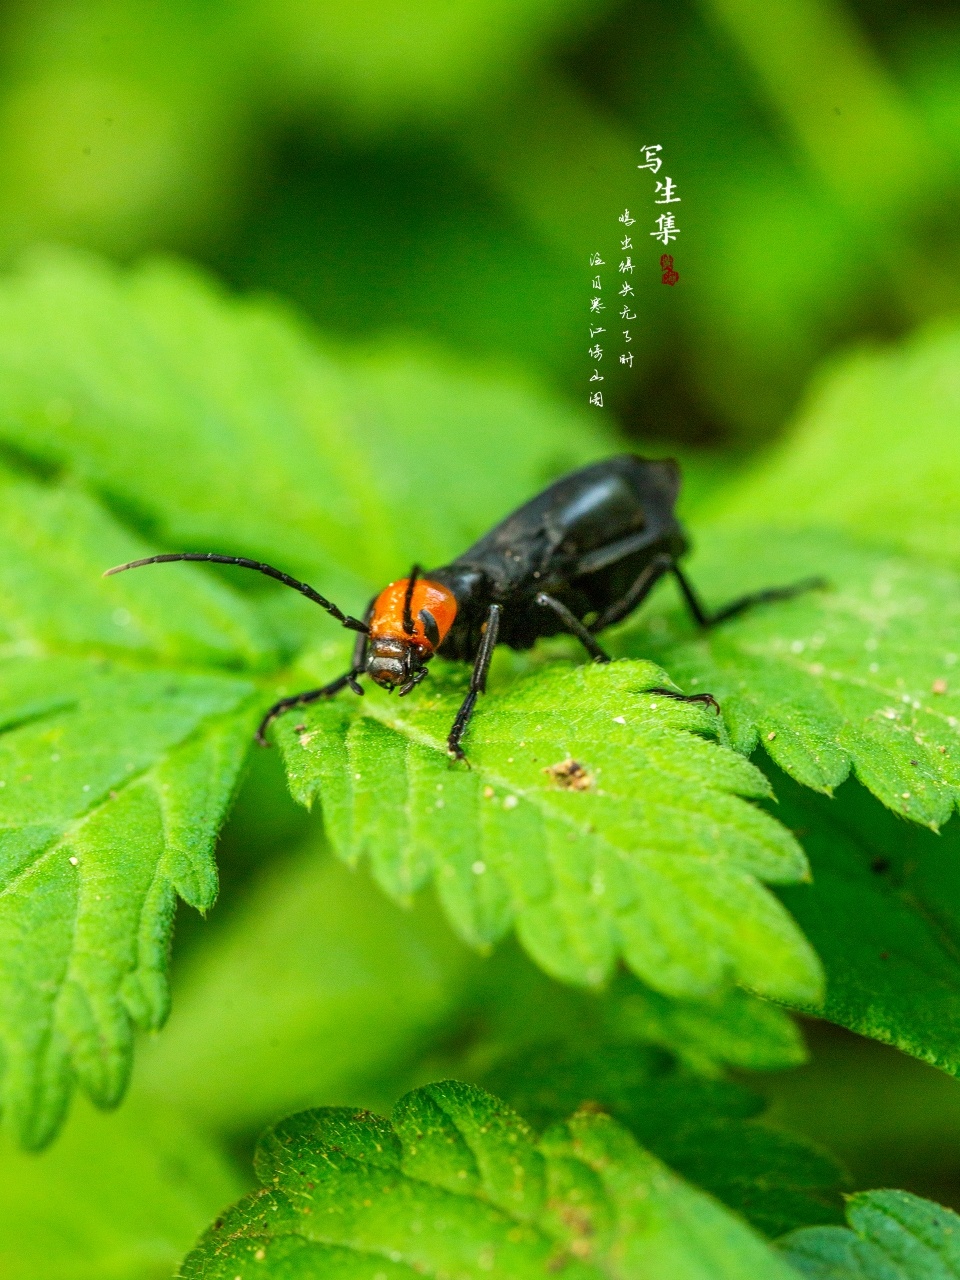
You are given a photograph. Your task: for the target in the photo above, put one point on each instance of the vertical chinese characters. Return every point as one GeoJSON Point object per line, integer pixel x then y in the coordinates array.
{"type": "Point", "coordinates": [595, 352]}
{"type": "Point", "coordinates": [666, 223]}
{"type": "Point", "coordinates": [665, 194]}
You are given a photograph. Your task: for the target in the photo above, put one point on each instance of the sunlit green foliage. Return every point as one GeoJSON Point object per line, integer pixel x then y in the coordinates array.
{"type": "Point", "coordinates": [458, 1183]}
{"type": "Point", "coordinates": [430, 178]}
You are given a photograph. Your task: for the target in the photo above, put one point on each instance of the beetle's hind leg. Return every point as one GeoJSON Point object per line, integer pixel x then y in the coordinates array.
{"type": "Point", "coordinates": [704, 618]}
{"type": "Point", "coordinates": [644, 583]}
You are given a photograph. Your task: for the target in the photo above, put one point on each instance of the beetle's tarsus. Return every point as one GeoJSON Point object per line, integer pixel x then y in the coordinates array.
{"type": "Point", "coordinates": [706, 698]}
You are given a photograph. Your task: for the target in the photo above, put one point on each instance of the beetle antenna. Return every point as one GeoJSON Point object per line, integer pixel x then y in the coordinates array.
{"type": "Point", "coordinates": [408, 598]}
{"type": "Point", "coordinates": [352, 624]}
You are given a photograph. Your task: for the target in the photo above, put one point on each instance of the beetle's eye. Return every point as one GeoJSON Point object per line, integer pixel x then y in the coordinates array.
{"type": "Point", "coordinates": [430, 628]}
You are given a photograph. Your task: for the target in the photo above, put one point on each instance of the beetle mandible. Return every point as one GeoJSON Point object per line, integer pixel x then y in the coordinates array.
{"type": "Point", "coordinates": [577, 558]}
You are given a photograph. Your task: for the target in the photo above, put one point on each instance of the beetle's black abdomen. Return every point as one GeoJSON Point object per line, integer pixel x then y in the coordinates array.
{"type": "Point", "coordinates": [584, 540]}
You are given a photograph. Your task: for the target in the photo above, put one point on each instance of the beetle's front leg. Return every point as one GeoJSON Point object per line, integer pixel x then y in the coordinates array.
{"type": "Point", "coordinates": [325, 691]}
{"type": "Point", "coordinates": [478, 682]}
{"type": "Point", "coordinates": [311, 695]}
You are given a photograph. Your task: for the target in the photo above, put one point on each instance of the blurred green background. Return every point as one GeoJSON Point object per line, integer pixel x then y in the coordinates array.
{"type": "Point", "coordinates": [442, 171]}
{"type": "Point", "coordinates": [446, 169]}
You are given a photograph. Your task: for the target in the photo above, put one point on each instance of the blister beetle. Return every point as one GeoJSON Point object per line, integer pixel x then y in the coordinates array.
{"type": "Point", "coordinates": [579, 557]}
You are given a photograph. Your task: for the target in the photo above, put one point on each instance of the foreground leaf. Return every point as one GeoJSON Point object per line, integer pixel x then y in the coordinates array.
{"type": "Point", "coordinates": [458, 1185]}
{"type": "Point", "coordinates": [893, 1235]}
{"type": "Point", "coordinates": [117, 763]}
{"type": "Point", "coordinates": [658, 859]}
{"type": "Point", "coordinates": [861, 677]}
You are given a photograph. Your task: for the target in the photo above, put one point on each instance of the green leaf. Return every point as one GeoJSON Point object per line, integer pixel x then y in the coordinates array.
{"type": "Point", "coordinates": [882, 912]}
{"type": "Point", "coordinates": [203, 423]}
{"type": "Point", "coordinates": [120, 1197]}
{"type": "Point", "coordinates": [858, 677]}
{"type": "Point", "coordinates": [704, 1129]}
{"type": "Point", "coordinates": [658, 860]}
{"type": "Point", "coordinates": [733, 1028]}
{"type": "Point", "coordinates": [893, 1235]}
{"type": "Point", "coordinates": [117, 763]}
{"type": "Point", "coordinates": [457, 1184]}
{"type": "Point", "coordinates": [518, 1006]}
{"type": "Point", "coordinates": [874, 453]}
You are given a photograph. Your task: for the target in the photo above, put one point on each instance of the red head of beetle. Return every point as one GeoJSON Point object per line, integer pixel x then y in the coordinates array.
{"type": "Point", "coordinates": [409, 622]}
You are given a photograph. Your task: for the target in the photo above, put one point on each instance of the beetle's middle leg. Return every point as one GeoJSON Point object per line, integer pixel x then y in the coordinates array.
{"type": "Point", "coordinates": [478, 682]}
{"type": "Point", "coordinates": [573, 624]}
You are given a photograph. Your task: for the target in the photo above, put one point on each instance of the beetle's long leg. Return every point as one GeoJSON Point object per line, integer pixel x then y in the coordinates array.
{"type": "Point", "coordinates": [345, 620]}
{"type": "Point", "coordinates": [573, 624]}
{"type": "Point", "coordinates": [644, 584]}
{"type": "Point", "coordinates": [357, 668]}
{"type": "Point", "coordinates": [478, 682]}
{"type": "Point", "coordinates": [704, 618]}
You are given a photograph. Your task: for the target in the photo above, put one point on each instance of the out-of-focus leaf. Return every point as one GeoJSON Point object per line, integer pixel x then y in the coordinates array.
{"type": "Point", "coordinates": [457, 1185]}
{"type": "Point", "coordinates": [423, 59]}
{"type": "Point", "coordinates": [856, 677]}
{"type": "Point", "coordinates": [882, 913]}
{"type": "Point", "coordinates": [121, 123]}
{"type": "Point", "coordinates": [119, 1198]}
{"type": "Point", "coordinates": [658, 859]}
{"type": "Point", "coordinates": [874, 453]}
{"type": "Point", "coordinates": [800, 43]}
{"type": "Point", "coordinates": [706, 1130]}
{"type": "Point", "coordinates": [893, 1235]}
{"type": "Point", "coordinates": [313, 989]}
{"type": "Point", "coordinates": [223, 426]}
{"type": "Point", "coordinates": [735, 1029]}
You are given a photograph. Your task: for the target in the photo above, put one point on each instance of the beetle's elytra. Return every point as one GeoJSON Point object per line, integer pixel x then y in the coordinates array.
{"type": "Point", "coordinates": [579, 557]}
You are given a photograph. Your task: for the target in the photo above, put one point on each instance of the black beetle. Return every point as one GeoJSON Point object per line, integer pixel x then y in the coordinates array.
{"type": "Point", "coordinates": [579, 557]}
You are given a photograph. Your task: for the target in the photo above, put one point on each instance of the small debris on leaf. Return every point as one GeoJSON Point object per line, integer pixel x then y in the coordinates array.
{"type": "Point", "coordinates": [939, 685]}
{"type": "Point", "coordinates": [570, 774]}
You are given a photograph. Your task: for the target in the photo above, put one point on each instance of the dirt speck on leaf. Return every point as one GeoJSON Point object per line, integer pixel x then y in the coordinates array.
{"type": "Point", "coordinates": [570, 774]}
